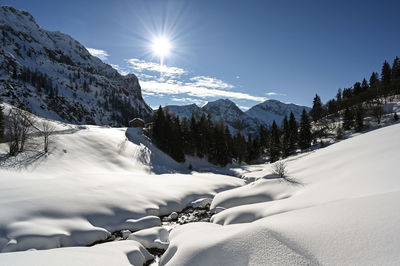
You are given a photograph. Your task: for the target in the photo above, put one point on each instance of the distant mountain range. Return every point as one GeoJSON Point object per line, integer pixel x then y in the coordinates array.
{"type": "Point", "coordinates": [237, 120]}
{"type": "Point", "coordinates": [53, 75]}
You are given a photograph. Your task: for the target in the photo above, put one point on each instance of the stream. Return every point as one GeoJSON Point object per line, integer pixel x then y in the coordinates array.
{"type": "Point", "coordinates": [201, 213]}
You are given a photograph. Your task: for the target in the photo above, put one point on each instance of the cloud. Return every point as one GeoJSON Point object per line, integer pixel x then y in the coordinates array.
{"type": "Point", "coordinates": [238, 77]}
{"type": "Point", "coordinates": [272, 93]}
{"type": "Point", "coordinates": [141, 65]}
{"type": "Point", "coordinates": [244, 108]}
{"type": "Point", "coordinates": [98, 53]}
{"type": "Point", "coordinates": [179, 87]}
{"type": "Point", "coordinates": [120, 69]}
{"type": "Point", "coordinates": [188, 99]}
{"type": "Point", "coordinates": [209, 82]}
{"type": "Point", "coordinates": [161, 80]}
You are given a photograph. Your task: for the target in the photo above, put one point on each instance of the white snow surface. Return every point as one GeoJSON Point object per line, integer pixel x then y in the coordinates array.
{"type": "Point", "coordinates": [339, 206]}
{"type": "Point", "coordinates": [113, 253]}
{"type": "Point", "coordinates": [155, 237]}
{"type": "Point", "coordinates": [95, 180]}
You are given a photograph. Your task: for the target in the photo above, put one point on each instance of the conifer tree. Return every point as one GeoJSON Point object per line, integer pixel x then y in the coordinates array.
{"type": "Point", "coordinates": [274, 143]}
{"type": "Point", "coordinates": [395, 117]}
{"type": "Point", "coordinates": [374, 80]}
{"type": "Point", "coordinates": [347, 119]}
{"type": "Point", "coordinates": [305, 136]}
{"type": "Point", "coordinates": [285, 138]}
{"type": "Point", "coordinates": [364, 85]}
{"type": "Point", "coordinates": [386, 74]}
{"type": "Point", "coordinates": [357, 88]}
{"type": "Point", "coordinates": [317, 111]}
{"type": "Point", "coordinates": [396, 68]}
{"type": "Point", "coordinates": [359, 119]}
{"type": "Point", "coordinates": [293, 138]}
{"type": "Point", "coordinates": [159, 129]}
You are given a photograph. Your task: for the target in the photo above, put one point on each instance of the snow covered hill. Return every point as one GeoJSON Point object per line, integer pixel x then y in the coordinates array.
{"type": "Point", "coordinates": [338, 206]}
{"type": "Point", "coordinates": [271, 110]}
{"type": "Point", "coordinates": [54, 76]}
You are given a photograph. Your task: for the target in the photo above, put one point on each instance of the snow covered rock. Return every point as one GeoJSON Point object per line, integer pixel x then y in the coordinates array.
{"type": "Point", "coordinates": [155, 237]}
{"type": "Point", "coordinates": [125, 234]}
{"type": "Point", "coordinates": [200, 203]}
{"type": "Point", "coordinates": [142, 223]}
{"type": "Point", "coordinates": [173, 216]}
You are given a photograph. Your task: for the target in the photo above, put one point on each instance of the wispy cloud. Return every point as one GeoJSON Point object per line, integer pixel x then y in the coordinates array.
{"type": "Point", "coordinates": [160, 80]}
{"type": "Point", "coordinates": [272, 93]}
{"type": "Point", "coordinates": [244, 108]}
{"type": "Point", "coordinates": [98, 53]}
{"type": "Point", "coordinates": [209, 82]}
{"type": "Point", "coordinates": [141, 65]}
{"type": "Point", "coordinates": [120, 69]}
{"type": "Point", "coordinates": [188, 100]}
{"type": "Point", "coordinates": [194, 91]}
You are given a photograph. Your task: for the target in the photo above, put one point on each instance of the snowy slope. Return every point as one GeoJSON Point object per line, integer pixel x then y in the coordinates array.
{"type": "Point", "coordinates": [53, 75]}
{"type": "Point", "coordinates": [271, 110]}
{"type": "Point", "coordinates": [94, 181]}
{"type": "Point", "coordinates": [339, 207]}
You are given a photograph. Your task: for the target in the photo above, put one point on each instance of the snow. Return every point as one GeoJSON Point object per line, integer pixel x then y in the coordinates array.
{"type": "Point", "coordinates": [94, 181]}
{"type": "Point", "coordinates": [338, 207]}
{"type": "Point", "coordinates": [112, 253]}
{"type": "Point", "coordinates": [155, 237]}
{"type": "Point", "coordinates": [270, 110]}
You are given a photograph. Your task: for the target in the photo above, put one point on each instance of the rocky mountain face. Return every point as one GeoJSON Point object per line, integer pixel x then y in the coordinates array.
{"type": "Point", "coordinates": [53, 75]}
{"type": "Point", "coordinates": [270, 110]}
{"type": "Point", "coordinates": [238, 121]}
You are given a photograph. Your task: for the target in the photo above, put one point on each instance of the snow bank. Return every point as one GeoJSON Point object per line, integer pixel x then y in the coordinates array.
{"type": "Point", "coordinates": [113, 253]}
{"type": "Point", "coordinates": [155, 237]}
{"type": "Point", "coordinates": [341, 209]}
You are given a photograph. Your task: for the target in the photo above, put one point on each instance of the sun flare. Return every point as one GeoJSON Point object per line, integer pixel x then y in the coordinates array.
{"type": "Point", "coordinates": [161, 46]}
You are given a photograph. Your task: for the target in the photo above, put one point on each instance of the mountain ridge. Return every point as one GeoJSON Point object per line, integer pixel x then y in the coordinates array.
{"type": "Point", "coordinates": [53, 75]}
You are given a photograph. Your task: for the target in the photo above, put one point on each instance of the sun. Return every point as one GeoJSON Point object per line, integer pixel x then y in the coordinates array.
{"type": "Point", "coordinates": [161, 46]}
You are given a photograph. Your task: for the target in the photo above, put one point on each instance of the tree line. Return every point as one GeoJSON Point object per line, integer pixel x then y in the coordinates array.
{"type": "Point", "coordinates": [203, 137]}
{"type": "Point", "coordinates": [365, 97]}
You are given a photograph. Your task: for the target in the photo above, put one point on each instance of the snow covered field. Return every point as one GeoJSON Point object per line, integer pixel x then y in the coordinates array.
{"type": "Point", "coordinates": [95, 180]}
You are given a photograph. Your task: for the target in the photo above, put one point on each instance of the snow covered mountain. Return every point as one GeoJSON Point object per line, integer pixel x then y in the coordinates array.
{"type": "Point", "coordinates": [185, 111]}
{"type": "Point", "coordinates": [247, 122]}
{"type": "Point", "coordinates": [271, 110]}
{"type": "Point", "coordinates": [54, 76]}
{"type": "Point", "coordinates": [222, 109]}
{"type": "Point", "coordinates": [235, 118]}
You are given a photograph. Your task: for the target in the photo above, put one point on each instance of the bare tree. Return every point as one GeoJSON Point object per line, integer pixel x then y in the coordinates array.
{"type": "Point", "coordinates": [279, 168]}
{"type": "Point", "coordinates": [19, 127]}
{"type": "Point", "coordinates": [47, 129]}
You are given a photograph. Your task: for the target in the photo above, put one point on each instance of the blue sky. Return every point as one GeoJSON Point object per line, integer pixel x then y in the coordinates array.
{"type": "Point", "coordinates": [248, 51]}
